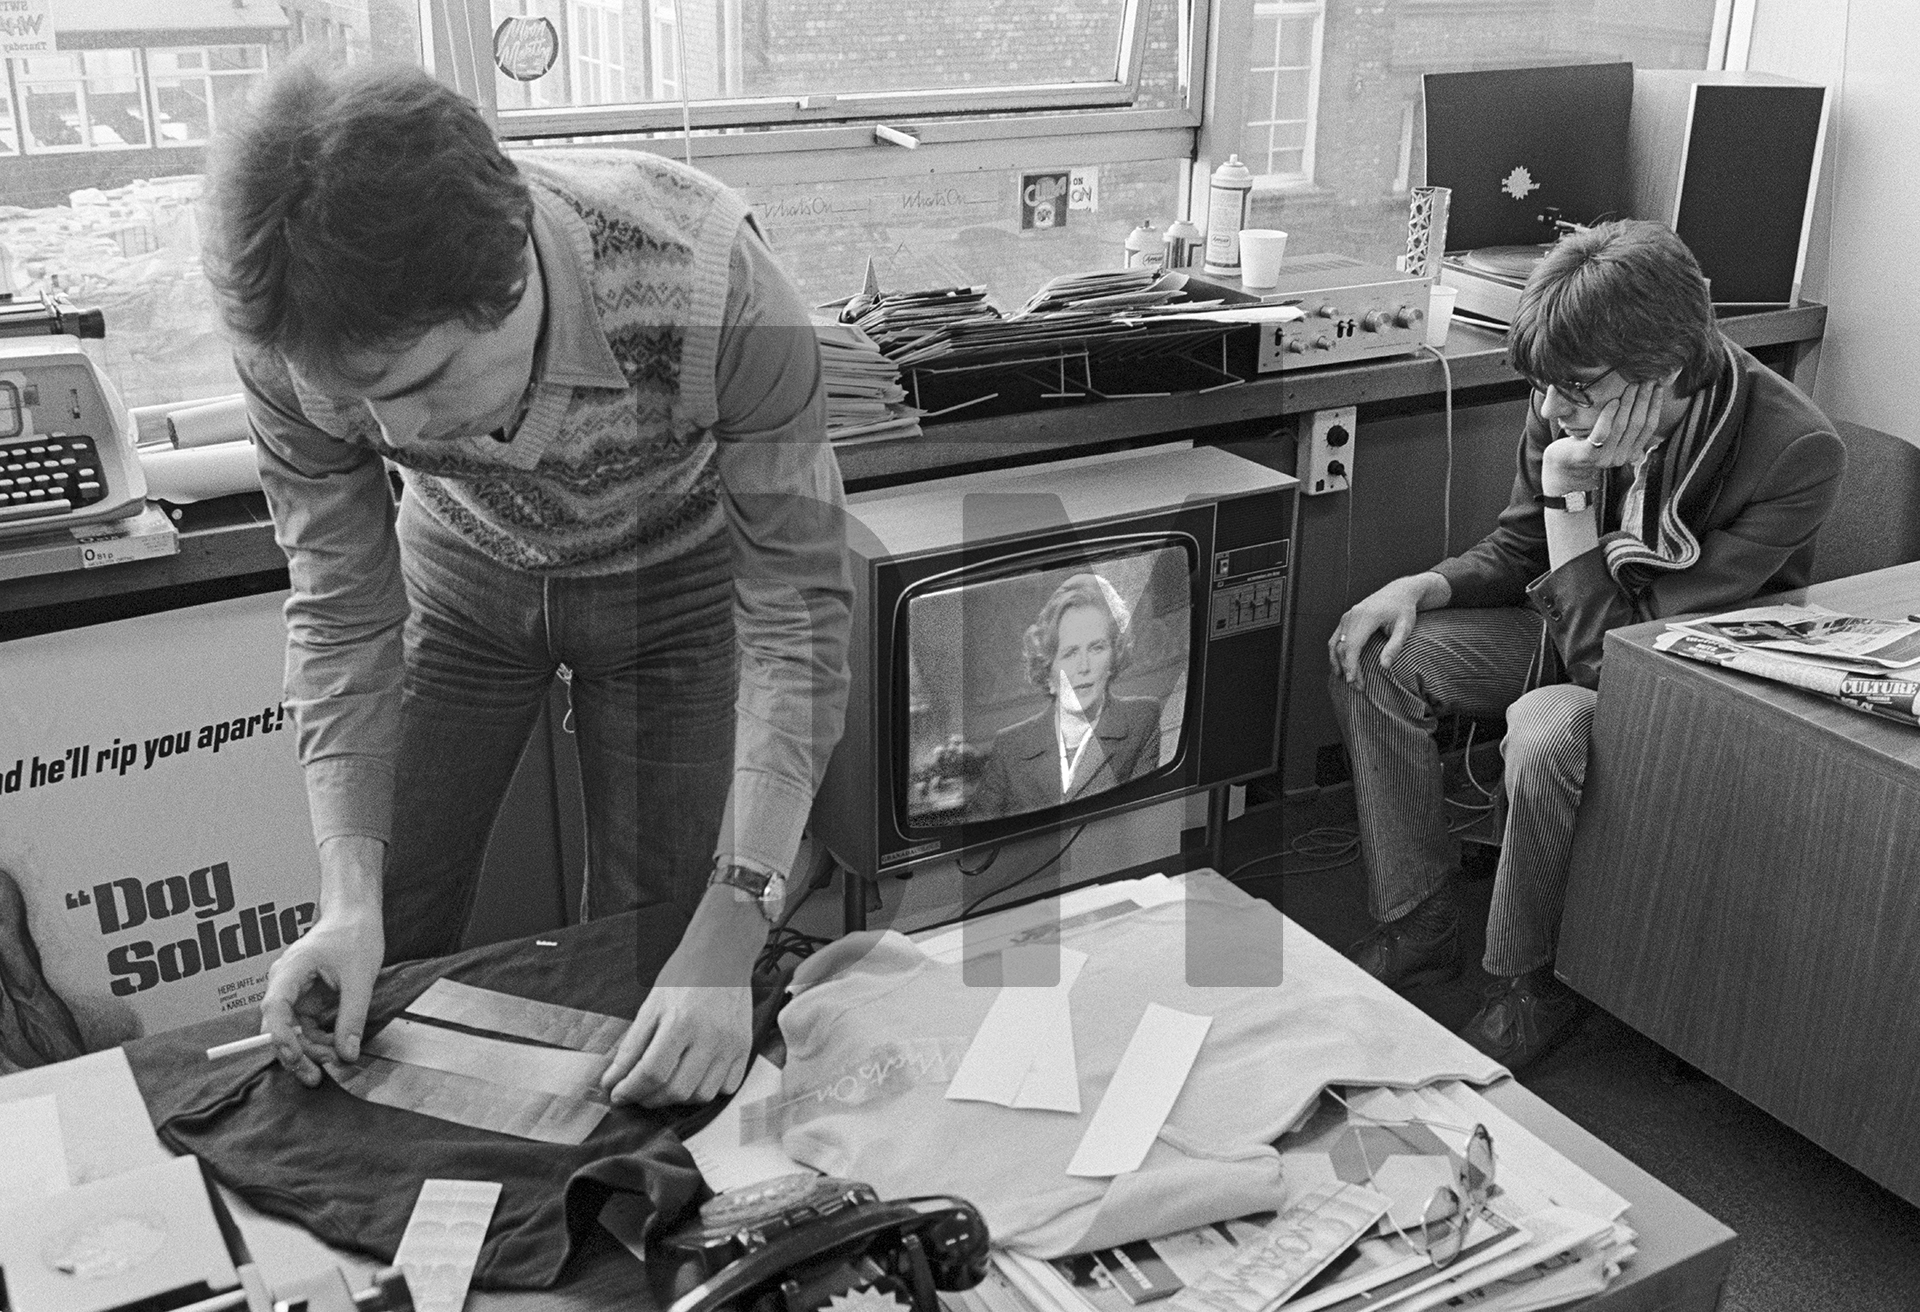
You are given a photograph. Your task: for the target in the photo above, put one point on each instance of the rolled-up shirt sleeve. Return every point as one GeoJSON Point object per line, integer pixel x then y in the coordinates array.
{"type": "Point", "coordinates": [333, 516]}
{"type": "Point", "coordinates": [786, 514]}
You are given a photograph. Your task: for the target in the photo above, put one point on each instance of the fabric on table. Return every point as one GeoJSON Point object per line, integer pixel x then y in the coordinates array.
{"type": "Point", "coordinates": [349, 1170]}
{"type": "Point", "coordinates": [876, 1029]}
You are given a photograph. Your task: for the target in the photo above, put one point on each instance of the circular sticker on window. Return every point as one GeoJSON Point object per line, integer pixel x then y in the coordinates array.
{"type": "Point", "coordinates": [524, 48]}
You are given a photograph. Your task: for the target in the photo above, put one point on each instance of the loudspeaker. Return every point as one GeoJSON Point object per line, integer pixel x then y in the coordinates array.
{"type": "Point", "coordinates": [1728, 161]}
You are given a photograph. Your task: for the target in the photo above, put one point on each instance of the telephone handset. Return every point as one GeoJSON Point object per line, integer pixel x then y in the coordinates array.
{"type": "Point", "coordinates": [807, 1243]}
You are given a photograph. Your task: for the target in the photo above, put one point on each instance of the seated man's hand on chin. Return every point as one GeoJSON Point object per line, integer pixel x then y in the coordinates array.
{"type": "Point", "coordinates": [693, 1037]}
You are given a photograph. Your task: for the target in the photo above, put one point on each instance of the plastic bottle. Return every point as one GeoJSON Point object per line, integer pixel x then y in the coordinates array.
{"type": "Point", "coordinates": [1227, 195]}
{"type": "Point", "coordinates": [1182, 245]}
{"type": "Point", "coordinates": [1144, 248]}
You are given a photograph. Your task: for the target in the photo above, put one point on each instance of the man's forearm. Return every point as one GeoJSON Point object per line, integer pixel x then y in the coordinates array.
{"type": "Point", "coordinates": [723, 939]}
{"type": "Point", "coordinates": [351, 866]}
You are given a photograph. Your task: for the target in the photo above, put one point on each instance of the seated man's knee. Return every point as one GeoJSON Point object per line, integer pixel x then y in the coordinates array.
{"type": "Point", "coordinates": [1548, 730]}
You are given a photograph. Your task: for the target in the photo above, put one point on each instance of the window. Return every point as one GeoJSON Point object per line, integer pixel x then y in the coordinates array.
{"type": "Point", "coordinates": [663, 42]}
{"type": "Point", "coordinates": [91, 100]}
{"type": "Point", "coordinates": [1283, 90]}
{"type": "Point", "coordinates": [195, 88]}
{"type": "Point", "coordinates": [598, 55]}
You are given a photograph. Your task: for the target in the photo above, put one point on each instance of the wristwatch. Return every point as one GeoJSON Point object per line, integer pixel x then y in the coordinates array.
{"type": "Point", "coordinates": [768, 891]}
{"type": "Point", "coordinates": [1576, 501]}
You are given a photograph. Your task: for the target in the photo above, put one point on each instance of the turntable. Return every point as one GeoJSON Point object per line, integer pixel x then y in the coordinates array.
{"type": "Point", "coordinates": [1490, 280]}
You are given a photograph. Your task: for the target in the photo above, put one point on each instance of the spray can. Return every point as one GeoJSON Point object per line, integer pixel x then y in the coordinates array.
{"type": "Point", "coordinates": [1144, 249]}
{"type": "Point", "coordinates": [1227, 196]}
{"type": "Point", "coordinates": [1182, 245]}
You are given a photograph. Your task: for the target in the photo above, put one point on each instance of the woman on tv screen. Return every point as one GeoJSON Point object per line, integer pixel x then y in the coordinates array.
{"type": "Point", "coordinates": [1088, 740]}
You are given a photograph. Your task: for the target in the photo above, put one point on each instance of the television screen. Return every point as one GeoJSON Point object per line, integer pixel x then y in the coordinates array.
{"type": "Point", "coordinates": [1045, 682]}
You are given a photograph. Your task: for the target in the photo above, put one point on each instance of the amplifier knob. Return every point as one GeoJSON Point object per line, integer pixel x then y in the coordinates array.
{"type": "Point", "coordinates": [1323, 343]}
{"type": "Point", "coordinates": [1297, 345]}
{"type": "Point", "coordinates": [1328, 311]}
{"type": "Point", "coordinates": [1374, 320]}
{"type": "Point", "coordinates": [1409, 316]}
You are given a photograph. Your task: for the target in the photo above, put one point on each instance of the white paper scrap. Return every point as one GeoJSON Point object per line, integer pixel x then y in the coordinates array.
{"type": "Point", "coordinates": [441, 1245]}
{"type": "Point", "coordinates": [726, 1163]}
{"type": "Point", "coordinates": [1022, 1054]}
{"type": "Point", "coordinates": [1142, 1092]}
{"type": "Point", "coordinates": [523, 1065]}
{"type": "Point", "coordinates": [33, 1152]}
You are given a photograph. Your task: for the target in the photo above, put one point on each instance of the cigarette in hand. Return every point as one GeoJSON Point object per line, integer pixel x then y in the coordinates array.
{"type": "Point", "coordinates": [252, 1043]}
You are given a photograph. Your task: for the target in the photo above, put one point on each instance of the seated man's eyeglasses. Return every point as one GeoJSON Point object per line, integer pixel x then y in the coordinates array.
{"type": "Point", "coordinates": [1574, 389]}
{"type": "Point", "coordinates": [1452, 1209]}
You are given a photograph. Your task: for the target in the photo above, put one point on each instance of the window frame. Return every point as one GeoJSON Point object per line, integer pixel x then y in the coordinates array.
{"type": "Point", "coordinates": [19, 81]}
{"type": "Point", "coordinates": [827, 139]}
{"type": "Point", "coordinates": [1281, 10]}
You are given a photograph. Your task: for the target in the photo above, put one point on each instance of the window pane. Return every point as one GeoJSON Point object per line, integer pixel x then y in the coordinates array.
{"type": "Point", "coordinates": [127, 117]}
{"type": "Point", "coordinates": [53, 115]}
{"type": "Point", "coordinates": [185, 117]}
{"type": "Point", "coordinates": [1290, 87]}
{"type": "Point", "coordinates": [1296, 41]}
{"type": "Point", "coordinates": [749, 48]}
{"type": "Point", "coordinates": [1285, 164]}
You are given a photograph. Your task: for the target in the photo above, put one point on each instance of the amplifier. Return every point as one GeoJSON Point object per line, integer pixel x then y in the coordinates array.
{"type": "Point", "coordinates": [1345, 311]}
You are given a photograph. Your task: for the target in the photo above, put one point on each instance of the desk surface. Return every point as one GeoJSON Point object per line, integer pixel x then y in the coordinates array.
{"type": "Point", "coordinates": [221, 541]}
{"type": "Point", "coordinates": [1681, 1265]}
{"type": "Point", "coordinates": [1773, 945]}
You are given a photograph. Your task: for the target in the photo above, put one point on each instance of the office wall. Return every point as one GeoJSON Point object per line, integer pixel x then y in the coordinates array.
{"type": "Point", "coordinates": [1867, 223]}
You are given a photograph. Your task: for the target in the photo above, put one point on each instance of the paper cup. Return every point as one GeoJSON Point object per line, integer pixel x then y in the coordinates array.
{"type": "Point", "coordinates": [1440, 313]}
{"type": "Point", "coordinates": [1260, 252]}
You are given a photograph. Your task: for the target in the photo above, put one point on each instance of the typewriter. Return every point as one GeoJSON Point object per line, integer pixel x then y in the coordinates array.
{"type": "Point", "coordinates": [66, 440]}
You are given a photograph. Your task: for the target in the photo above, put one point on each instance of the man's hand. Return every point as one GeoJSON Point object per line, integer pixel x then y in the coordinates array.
{"type": "Point", "coordinates": [1392, 611]}
{"type": "Point", "coordinates": [333, 967]}
{"type": "Point", "coordinates": [1628, 427]}
{"type": "Point", "coordinates": [335, 963]}
{"type": "Point", "coordinates": [693, 1036]}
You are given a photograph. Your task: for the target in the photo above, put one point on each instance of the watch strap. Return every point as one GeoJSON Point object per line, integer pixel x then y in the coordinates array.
{"type": "Point", "coordinates": [767, 890]}
{"type": "Point", "coordinates": [1575, 501]}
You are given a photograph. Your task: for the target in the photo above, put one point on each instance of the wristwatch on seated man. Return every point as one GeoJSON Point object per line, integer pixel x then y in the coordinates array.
{"type": "Point", "coordinates": [766, 888]}
{"type": "Point", "coordinates": [1573, 502]}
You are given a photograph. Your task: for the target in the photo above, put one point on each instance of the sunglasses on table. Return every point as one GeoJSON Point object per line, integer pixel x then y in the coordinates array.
{"type": "Point", "coordinates": [1451, 1211]}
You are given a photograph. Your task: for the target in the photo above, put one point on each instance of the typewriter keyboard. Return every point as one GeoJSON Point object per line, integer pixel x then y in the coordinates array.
{"type": "Point", "coordinates": [44, 476]}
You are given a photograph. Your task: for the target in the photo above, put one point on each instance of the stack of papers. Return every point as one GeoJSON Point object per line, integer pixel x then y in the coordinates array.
{"type": "Point", "coordinates": [1134, 290]}
{"type": "Point", "coordinates": [864, 396]}
{"type": "Point", "coordinates": [906, 325]}
{"type": "Point", "coordinates": [1551, 1233]}
{"type": "Point", "coordinates": [1869, 665]}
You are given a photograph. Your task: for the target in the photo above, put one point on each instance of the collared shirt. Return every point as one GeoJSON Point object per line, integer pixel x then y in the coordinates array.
{"type": "Point", "coordinates": [780, 491]}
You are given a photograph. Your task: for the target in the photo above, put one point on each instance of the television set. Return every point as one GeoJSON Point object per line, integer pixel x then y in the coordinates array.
{"type": "Point", "coordinates": [1039, 647]}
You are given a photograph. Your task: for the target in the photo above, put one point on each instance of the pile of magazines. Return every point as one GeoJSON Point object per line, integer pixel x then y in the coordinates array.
{"type": "Point", "coordinates": [1865, 664]}
{"type": "Point", "coordinates": [865, 401]}
{"type": "Point", "coordinates": [1360, 1168]}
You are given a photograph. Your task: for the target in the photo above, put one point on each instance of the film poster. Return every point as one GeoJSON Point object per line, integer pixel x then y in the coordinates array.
{"type": "Point", "coordinates": [153, 817]}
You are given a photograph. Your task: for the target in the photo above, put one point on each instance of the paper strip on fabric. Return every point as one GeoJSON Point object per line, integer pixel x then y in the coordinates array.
{"type": "Point", "coordinates": [484, 1105]}
{"type": "Point", "coordinates": [504, 1013]}
{"type": "Point", "coordinates": [1141, 1093]}
{"type": "Point", "coordinates": [442, 1242]}
{"type": "Point", "coordinates": [1022, 1054]}
{"type": "Point", "coordinates": [497, 1061]}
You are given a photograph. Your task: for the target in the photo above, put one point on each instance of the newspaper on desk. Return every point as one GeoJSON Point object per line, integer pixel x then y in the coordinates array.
{"type": "Point", "coordinates": [1868, 665]}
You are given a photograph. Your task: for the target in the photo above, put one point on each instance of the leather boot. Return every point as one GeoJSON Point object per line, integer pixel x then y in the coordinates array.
{"type": "Point", "coordinates": [1522, 1018]}
{"type": "Point", "coordinates": [1421, 947]}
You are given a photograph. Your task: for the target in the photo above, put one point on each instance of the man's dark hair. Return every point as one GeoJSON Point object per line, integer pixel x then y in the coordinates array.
{"type": "Point", "coordinates": [1627, 296]}
{"type": "Point", "coordinates": [355, 207]}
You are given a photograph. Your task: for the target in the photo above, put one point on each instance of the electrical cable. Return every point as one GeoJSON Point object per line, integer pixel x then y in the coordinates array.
{"type": "Point", "coordinates": [1446, 495]}
{"type": "Point", "coordinates": [969, 908]}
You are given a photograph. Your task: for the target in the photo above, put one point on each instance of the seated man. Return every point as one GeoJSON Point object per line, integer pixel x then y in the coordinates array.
{"type": "Point", "coordinates": [1662, 470]}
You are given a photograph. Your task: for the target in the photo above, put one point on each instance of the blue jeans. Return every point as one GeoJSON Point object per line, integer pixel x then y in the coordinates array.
{"type": "Point", "coordinates": [654, 680]}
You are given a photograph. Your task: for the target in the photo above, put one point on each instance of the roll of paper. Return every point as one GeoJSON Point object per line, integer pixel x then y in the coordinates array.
{"type": "Point", "coordinates": [199, 473]}
{"type": "Point", "coordinates": [219, 421]}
